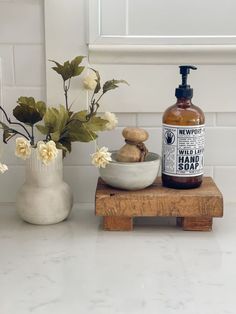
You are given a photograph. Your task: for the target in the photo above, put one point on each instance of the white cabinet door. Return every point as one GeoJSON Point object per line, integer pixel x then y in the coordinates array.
{"type": "Point", "coordinates": [162, 22]}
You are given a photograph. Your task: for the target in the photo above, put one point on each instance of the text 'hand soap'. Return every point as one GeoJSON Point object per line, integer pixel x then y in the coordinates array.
{"type": "Point", "coordinates": [183, 139]}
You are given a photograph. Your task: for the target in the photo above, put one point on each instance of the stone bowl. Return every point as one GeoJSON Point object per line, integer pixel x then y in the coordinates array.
{"type": "Point", "coordinates": [133, 175]}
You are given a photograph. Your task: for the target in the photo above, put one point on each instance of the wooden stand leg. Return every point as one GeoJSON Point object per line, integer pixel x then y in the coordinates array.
{"type": "Point", "coordinates": [196, 223]}
{"type": "Point", "coordinates": [113, 223]}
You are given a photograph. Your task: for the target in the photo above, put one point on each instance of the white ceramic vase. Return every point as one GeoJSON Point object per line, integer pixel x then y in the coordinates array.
{"type": "Point", "coordinates": [44, 198]}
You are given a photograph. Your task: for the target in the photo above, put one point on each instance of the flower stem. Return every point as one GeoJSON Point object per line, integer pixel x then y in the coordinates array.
{"type": "Point", "coordinates": [32, 136]}
{"type": "Point", "coordinates": [99, 98]}
{"type": "Point", "coordinates": [66, 88]}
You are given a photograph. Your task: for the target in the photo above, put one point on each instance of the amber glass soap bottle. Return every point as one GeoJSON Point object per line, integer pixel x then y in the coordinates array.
{"type": "Point", "coordinates": [183, 139]}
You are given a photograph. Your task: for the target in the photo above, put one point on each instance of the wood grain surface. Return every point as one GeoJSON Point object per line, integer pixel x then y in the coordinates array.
{"type": "Point", "coordinates": [117, 223]}
{"type": "Point", "coordinates": [195, 223]}
{"type": "Point", "coordinates": [156, 200]}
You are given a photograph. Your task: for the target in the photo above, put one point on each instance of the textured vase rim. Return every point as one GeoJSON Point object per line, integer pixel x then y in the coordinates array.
{"type": "Point", "coordinates": [36, 164]}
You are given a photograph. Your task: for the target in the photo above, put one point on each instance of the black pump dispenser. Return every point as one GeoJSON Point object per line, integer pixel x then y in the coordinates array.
{"type": "Point", "coordinates": [184, 90]}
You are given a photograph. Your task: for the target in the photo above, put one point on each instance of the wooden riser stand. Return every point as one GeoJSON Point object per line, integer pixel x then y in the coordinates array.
{"type": "Point", "coordinates": [194, 209]}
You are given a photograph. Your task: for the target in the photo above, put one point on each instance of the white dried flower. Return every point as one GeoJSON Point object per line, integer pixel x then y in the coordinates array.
{"type": "Point", "coordinates": [23, 148]}
{"type": "Point", "coordinates": [47, 151]}
{"type": "Point", "coordinates": [101, 158]}
{"type": "Point", "coordinates": [112, 120]}
{"type": "Point", "coordinates": [90, 81]}
{"type": "Point", "coordinates": [3, 168]}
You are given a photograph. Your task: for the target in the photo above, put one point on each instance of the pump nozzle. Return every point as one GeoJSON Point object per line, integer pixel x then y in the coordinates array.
{"type": "Point", "coordinates": [184, 71]}
{"type": "Point", "coordinates": [184, 90]}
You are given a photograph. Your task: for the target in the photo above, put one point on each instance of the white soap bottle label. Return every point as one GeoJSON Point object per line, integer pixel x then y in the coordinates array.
{"type": "Point", "coordinates": [183, 150]}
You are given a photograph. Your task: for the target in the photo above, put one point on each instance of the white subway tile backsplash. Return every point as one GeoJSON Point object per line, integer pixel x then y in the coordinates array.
{"type": "Point", "coordinates": [152, 87]}
{"type": "Point", "coordinates": [149, 119]}
{"type": "Point", "coordinates": [126, 119]}
{"type": "Point", "coordinates": [226, 119]}
{"type": "Point", "coordinates": [220, 146]}
{"type": "Point", "coordinates": [21, 22]}
{"type": "Point", "coordinates": [10, 182]}
{"type": "Point", "coordinates": [7, 154]}
{"type": "Point", "coordinates": [6, 56]}
{"type": "Point", "coordinates": [225, 179]}
{"type": "Point", "coordinates": [210, 118]}
{"type": "Point", "coordinates": [111, 139]}
{"type": "Point", "coordinates": [154, 141]}
{"type": "Point", "coordinates": [29, 65]}
{"type": "Point", "coordinates": [208, 171]}
{"type": "Point", "coordinates": [81, 154]}
{"type": "Point", "coordinates": [83, 181]}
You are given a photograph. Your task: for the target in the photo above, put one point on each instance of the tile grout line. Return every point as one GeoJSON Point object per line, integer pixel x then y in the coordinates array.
{"type": "Point", "coordinates": [9, 87]}
{"type": "Point", "coordinates": [215, 119]}
{"type": "Point", "coordinates": [21, 43]}
{"type": "Point", "coordinates": [213, 172]}
{"type": "Point", "coordinates": [14, 65]}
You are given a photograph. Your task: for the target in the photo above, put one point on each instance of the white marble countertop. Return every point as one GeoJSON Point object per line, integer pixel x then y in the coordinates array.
{"type": "Point", "coordinates": [76, 268]}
